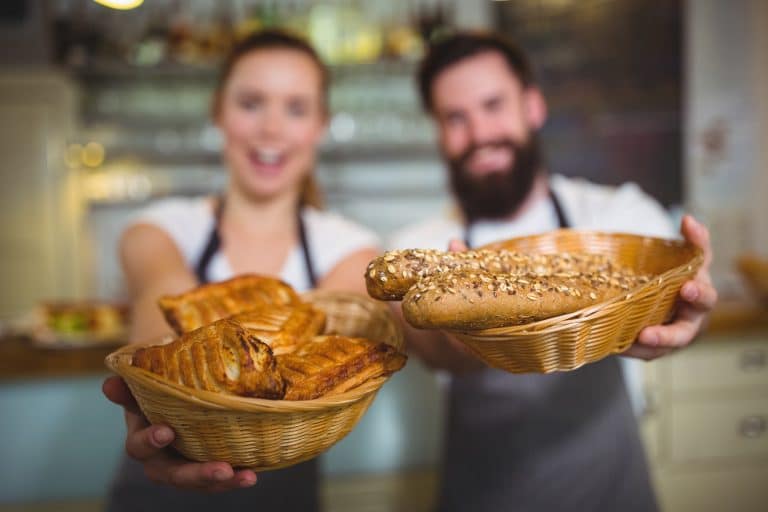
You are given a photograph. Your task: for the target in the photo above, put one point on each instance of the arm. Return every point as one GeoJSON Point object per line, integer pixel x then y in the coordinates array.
{"type": "Point", "coordinates": [153, 266]}
{"type": "Point", "coordinates": [697, 298]}
{"type": "Point", "coordinates": [347, 274]}
{"type": "Point", "coordinates": [437, 349]}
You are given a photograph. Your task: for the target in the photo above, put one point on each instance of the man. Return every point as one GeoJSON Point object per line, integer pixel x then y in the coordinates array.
{"type": "Point", "coordinates": [564, 441]}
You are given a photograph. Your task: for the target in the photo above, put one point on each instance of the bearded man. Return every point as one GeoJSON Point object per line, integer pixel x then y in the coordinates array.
{"type": "Point", "coordinates": [532, 442]}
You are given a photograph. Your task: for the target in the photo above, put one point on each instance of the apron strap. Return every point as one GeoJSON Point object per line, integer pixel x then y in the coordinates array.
{"type": "Point", "coordinates": [213, 244]}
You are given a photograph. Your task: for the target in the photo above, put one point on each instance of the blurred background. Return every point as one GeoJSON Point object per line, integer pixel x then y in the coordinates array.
{"type": "Point", "coordinates": [103, 111]}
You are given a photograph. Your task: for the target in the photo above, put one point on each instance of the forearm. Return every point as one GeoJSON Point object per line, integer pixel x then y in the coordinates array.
{"type": "Point", "coordinates": [436, 349]}
{"type": "Point", "coordinates": [147, 321]}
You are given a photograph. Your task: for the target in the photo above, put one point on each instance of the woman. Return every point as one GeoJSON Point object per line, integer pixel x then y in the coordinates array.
{"type": "Point", "coordinates": [271, 107]}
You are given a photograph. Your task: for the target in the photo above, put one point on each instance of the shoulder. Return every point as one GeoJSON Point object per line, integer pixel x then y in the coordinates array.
{"type": "Point", "coordinates": [327, 225]}
{"type": "Point", "coordinates": [431, 233]}
{"type": "Point", "coordinates": [333, 238]}
{"type": "Point", "coordinates": [624, 208]}
{"type": "Point", "coordinates": [186, 221]}
{"type": "Point", "coordinates": [172, 208]}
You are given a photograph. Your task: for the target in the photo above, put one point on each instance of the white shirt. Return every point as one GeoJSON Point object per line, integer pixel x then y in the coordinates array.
{"type": "Point", "coordinates": [586, 206]}
{"type": "Point", "coordinates": [189, 221]}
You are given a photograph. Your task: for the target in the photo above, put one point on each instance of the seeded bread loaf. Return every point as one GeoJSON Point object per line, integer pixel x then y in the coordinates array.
{"type": "Point", "coordinates": [467, 300]}
{"type": "Point", "coordinates": [391, 275]}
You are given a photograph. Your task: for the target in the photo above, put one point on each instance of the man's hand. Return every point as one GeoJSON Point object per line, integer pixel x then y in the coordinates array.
{"type": "Point", "coordinates": [697, 298]}
{"type": "Point", "coordinates": [148, 444]}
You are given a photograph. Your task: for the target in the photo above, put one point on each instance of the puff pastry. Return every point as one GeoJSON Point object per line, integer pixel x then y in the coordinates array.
{"type": "Point", "coordinates": [332, 364]}
{"type": "Point", "coordinates": [222, 357]}
{"type": "Point", "coordinates": [208, 303]}
{"type": "Point", "coordinates": [283, 328]}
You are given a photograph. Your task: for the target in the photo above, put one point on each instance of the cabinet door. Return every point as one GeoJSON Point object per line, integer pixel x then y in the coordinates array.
{"type": "Point", "coordinates": [733, 429]}
{"type": "Point", "coordinates": [38, 240]}
{"type": "Point", "coordinates": [715, 366]}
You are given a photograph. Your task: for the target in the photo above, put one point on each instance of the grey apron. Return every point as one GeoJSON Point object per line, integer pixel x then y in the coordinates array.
{"type": "Point", "coordinates": [286, 490]}
{"type": "Point", "coordinates": [534, 442]}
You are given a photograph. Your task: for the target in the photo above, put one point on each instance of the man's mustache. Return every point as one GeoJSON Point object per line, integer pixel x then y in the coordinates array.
{"type": "Point", "coordinates": [468, 153]}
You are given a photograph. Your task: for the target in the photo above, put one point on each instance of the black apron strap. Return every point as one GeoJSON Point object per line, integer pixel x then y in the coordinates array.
{"type": "Point", "coordinates": [213, 244]}
{"type": "Point", "coordinates": [562, 220]}
{"type": "Point", "coordinates": [311, 275]}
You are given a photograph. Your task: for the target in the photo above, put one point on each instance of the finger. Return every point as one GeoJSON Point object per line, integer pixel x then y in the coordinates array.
{"type": "Point", "coordinates": [638, 351]}
{"type": "Point", "coordinates": [696, 233]}
{"type": "Point", "coordinates": [117, 391]}
{"type": "Point", "coordinates": [674, 335]}
{"type": "Point", "coordinates": [700, 295]}
{"type": "Point", "coordinates": [144, 443]}
{"type": "Point", "coordinates": [456, 245]}
{"type": "Point", "coordinates": [205, 476]}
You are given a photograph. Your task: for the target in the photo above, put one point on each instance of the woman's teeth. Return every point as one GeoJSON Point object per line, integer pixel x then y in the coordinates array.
{"type": "Point", "coordinates": [268, 157]}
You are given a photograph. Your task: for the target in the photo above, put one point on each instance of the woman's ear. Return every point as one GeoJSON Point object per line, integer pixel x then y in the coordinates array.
{"type": "Point", "coordinates": [535, 107]}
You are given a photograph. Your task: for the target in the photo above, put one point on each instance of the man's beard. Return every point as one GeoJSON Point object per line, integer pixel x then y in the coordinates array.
{"type": "Point", "coordinates": [499, 194]}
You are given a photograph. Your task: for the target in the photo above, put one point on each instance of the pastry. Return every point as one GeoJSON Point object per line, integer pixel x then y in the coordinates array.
{"type": "Point", "coordinates": [391, 275]}
{"type": "Point", "coordinates": [468, 300]}
{"type": "Point", "coordinates": [283, 328]}
{"type": "Point", "coordinates": [222, 357]}
{"type": "Point", "coordinates": [211, 302]}
{"type": "Point", "coordinates": [332, 364]}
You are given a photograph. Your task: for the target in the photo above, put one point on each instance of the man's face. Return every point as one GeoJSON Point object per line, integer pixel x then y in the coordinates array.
{"type": "Point", "coordinates": [486, 124]}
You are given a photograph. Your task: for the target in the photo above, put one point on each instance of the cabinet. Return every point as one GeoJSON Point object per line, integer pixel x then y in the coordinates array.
{"type": "Point", "coordinates": [706, 428]}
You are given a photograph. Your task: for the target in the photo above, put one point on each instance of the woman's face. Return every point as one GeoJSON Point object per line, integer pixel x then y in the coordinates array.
{"type": "Point", "coordinates": [271, 114]}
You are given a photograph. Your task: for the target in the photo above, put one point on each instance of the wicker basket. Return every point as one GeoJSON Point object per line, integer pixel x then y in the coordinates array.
{"type": "Point", "coordinates": [257, 433]}
{"type": "Point", "coordinates": [568, 341]}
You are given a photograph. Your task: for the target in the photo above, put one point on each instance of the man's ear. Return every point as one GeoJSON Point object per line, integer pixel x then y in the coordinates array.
{"type": "Point", "coordinates": [535, 107]}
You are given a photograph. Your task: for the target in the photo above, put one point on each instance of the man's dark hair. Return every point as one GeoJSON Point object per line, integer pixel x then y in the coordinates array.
{"type": "Point", "coordinates": [454, 48]}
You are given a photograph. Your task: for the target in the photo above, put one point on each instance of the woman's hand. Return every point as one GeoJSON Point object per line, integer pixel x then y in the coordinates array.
{"type": "Point", "coordinates": [697, 298]}
{"type": "Point", "coordinates": [149, 445]}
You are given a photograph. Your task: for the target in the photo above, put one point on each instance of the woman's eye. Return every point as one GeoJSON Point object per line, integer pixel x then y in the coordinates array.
{"type": "Point", "coordinates": [297, 108]}
{"type": "Point", "coordinates": [249, 103]}
{"type": "Point", "coordinates": [454, 118]}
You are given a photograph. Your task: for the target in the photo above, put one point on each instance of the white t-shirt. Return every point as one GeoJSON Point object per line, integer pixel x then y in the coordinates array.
{"type": "Point", "coordinates": [585, 205]}
{"type": "Point", "coordinates": [189, 221]}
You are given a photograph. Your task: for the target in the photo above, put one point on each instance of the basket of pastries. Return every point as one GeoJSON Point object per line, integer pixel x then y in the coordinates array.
{"type": "Point", "coordinates": [260, 376]}
{"type": "Point", "coordinates": [541, 303]}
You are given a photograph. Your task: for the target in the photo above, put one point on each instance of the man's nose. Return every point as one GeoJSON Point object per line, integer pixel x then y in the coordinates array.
{"type": "Point", "coordinates": [482, 131]}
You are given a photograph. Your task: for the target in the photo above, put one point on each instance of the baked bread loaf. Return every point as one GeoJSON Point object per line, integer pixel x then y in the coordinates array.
{"type": "Point", "coordinates": [283, 328]}
{"type": "Point", "coordinates": [468, 300]}
{"type": "Point", "coordinates": [221, 357]}
{"type": "Point", "coordinates": [208, 303]}
{"type": "Point", "coordinates": [391, 275]}
{"type": "Point", "coordinates": [333, 364]}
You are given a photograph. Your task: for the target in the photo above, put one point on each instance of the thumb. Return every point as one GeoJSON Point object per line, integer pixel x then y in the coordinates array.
{"type": "Point", "coordinates": [456, 245]}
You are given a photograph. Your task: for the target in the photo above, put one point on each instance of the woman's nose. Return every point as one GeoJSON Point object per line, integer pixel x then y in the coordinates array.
{"type": "Point", "coordinates": [272, 124]}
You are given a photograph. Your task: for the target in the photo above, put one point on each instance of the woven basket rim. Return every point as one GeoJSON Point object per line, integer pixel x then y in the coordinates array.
{"type": "Point", "coordinates": [119, 362]}
{"type": "Point", "coordinates": [563, 322]}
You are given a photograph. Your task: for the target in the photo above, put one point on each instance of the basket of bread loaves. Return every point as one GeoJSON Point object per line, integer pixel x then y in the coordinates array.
{"type": "Point", "coordinates": [541, 303]}
{"type": "Point", "coordinates": [259, 376]}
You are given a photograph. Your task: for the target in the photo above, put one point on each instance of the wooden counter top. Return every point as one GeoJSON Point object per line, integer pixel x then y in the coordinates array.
{"type": "Point", "coordinates": [19, 358]}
